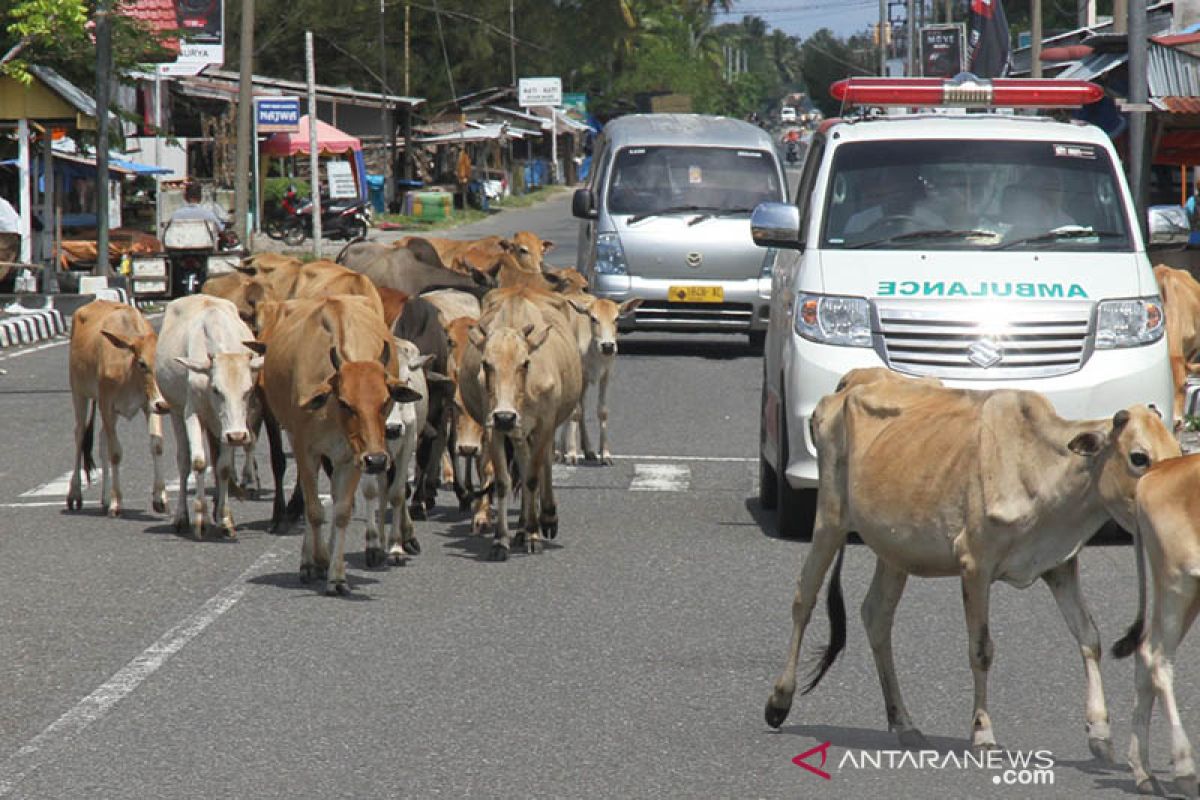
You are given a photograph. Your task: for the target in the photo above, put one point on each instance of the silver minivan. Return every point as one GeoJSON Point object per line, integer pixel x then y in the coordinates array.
{"type": "Point", "coordinates": [666, 217]}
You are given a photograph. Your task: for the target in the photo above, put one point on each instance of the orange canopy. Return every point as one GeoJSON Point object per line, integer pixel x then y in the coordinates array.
{"type": "Point", "coordinates": [329, 141]}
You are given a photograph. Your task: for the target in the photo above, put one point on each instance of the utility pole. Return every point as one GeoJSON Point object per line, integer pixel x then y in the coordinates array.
{"type": "Point", "coordinates": [1035, 35]}
{"type": "Point", "coordinates": [912, 37]}
{"type": "Point", "coordinates": [245, 139]}
{"type": "Point", "coordinates": [512, 43]}
{"type": "Point", "coordinates": [1121, 15]}
{"type": "Point", "coordinates": [1139, 104]}
{"type": "Point", "coordinates": [103, 84]}
{"type": "Point", "coordinates": [386, 139]}
{"type": "Point", "coordinates": [883, 21]}
{"type": "Point", "coordinates": [314, 159]}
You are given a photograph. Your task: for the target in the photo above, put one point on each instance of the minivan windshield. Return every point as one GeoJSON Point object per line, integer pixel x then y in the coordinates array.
{"type": "Point", "coordinates": [974, 195]}
{"type": "Point", "coordinates": [651, 181]}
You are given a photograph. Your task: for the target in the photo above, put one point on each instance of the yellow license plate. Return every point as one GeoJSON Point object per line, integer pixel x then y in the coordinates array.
{"type": "Point", "coordinates": [696, 294]}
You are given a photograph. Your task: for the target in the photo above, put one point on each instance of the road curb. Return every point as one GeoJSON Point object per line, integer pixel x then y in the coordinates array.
{"type": "Point", "coordinates": [31, 327]}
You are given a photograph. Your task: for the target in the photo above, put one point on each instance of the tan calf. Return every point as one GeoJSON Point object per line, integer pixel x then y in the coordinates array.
{"type": "Point", "coordinates": [112, 365]}
{"type": "Point", "coordinates": [1181, 305]}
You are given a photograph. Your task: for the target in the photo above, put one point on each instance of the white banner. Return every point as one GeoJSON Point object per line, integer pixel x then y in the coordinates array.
{"type": "Point", "coordinates": [341, 179]}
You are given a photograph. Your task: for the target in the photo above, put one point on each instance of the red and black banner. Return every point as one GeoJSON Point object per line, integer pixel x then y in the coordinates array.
{"type": "Point", "coordinates": [988, 42]}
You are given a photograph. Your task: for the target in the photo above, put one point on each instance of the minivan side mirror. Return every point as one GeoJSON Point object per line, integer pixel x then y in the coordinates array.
{"type": "Point", "coordinates": [583, 204]}
{"type": "Point", "coordinates": [776, 225]}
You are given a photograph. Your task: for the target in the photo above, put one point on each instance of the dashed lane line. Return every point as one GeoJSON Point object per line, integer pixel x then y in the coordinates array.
{"type": "Point", "coordinates": [660, 478]}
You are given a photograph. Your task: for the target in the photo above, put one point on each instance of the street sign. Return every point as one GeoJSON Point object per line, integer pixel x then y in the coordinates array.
{"type": "Point", "coordinates": [341, 179]}
{"type": "Point", "coordinates": [539, 92]}
{"type": "Point", "coordinates": [942, 51]}
{"type": "Point", "coordinates": [277, 114]}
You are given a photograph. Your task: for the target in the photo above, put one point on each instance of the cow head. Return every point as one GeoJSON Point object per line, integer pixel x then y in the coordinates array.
{"type": "Point", "coordinates": [227, 379]}
{"type": "Point", "coordinates": [1136, 440]}
{"type": "Point", "coordinates": [506, 358]}
{"type": "Point", "coordinates": [142, 351]}
{"type": "Point", "coordinates": [603, 315]}
{"type": "Point", "coordinates": [362, 395]}
{"type": "Point", "coordinates": [528, 248]}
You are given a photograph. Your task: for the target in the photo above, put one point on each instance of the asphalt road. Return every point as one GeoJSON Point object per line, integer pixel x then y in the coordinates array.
{"type": "Point", "coordinates": [631, 660]}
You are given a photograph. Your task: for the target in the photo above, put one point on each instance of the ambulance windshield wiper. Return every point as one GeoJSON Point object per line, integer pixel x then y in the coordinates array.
{"type": "Point", "coordinates": [1062, 233]}
{"type": "Point", "coordinates": [936, 233]}
{"type": "Point", "coordinates": [668, 210]}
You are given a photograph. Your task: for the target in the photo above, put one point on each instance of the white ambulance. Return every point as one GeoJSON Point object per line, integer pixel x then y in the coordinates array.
{"type": "Point", "coordinates": [987, 250]}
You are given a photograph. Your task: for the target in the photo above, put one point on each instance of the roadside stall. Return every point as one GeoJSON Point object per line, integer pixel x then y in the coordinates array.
{"type": "Point", "coordinates": [332, 144]}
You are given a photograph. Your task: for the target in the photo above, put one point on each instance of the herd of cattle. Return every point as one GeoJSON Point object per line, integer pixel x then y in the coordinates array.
{"type": "Point", "coordinates": [461, 361]}
{"type": "Point", "coordinates": [386, 361]}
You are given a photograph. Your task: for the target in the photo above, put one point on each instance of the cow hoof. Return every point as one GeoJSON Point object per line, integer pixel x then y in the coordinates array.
{"type": "Point", "coordinates": [114, 511]}
{"type": "Point", "coordinates": [498, 553]}
{"type": "Point", "coordinates": [74, 503]}
{"type": "Point", "coordinates": [913, 739]}
{"type": "Point", "coordinates": [518, 539]}
{"type": "Point", "coordinates": [1102, 749]}
{"type": "Point", "coordinates": [181, 524]}
{"type": "Point", "coordinates": [535, 545]}
{"type": "Point", "coordinates": [985, 747]}
{"type": "Point", "coordinates": [1150, 786]}
{"type": "Point", "coordinates": [1186, 785]}
{"type": "Point", "coordinates": [159, 505]}
{"type": "Point", "coordinates": [398, 558]}
{"type": "Point", "coordinates": [230, 533]}
{"type": "Point", "coordinates": [430, 501]}
{"type": "Point", "coordinates": [337, 588]}
{"type": "Point", "coordinates": [775, 716]}
{"type": "Point", "coordinates": [412, 546]}
{"type": "Point", "coordinates": [375, 557]}
{"type": "Point", "coordinates": [417, 511]}
{"type": "Point", "coordinates": [606, 459]}
{"type": "Point", "coordinates": [550, 528]}
{"type": "Point", "coordinates": [307, 573]}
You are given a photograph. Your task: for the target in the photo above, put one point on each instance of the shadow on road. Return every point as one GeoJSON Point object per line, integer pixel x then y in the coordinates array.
{"type": "Point", "coordinates": [869, 738]}
{"type": "Point", "coordinates": [713, 349]}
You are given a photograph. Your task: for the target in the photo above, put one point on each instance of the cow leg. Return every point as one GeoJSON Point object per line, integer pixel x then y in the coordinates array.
{"type": "Point", "coordinates": [827, 540]}
{"type": "Point", "coordinates": [602, 416]}
{"type": "Point", "coordinates": [196, 439]}
{"type": "Point", "coordinates": [222, 513]}
{"type": "Point", "coordinates": [482, 515]}
{"type": "Point", "coordinates": [530, 477]}
{"type": "Point", "coordinates": [278, 468]}
{"type": "Point", "coordinates": [374, 489]}
{"type": "Point", "coordinates": [82, 424]}
{"type": "Point", "coordinates": [1063, 581]}
{"type": "Point", "coordinates": [878, 613]}
{"type": "Point", "coordinates": [345, 481]}
{"type": "Point", "coordinates": [571, 430]}
{"type": "Point", "coordinates": [502, 482]}
{"type": "Point", "coordinates": [548, 519]}
{"type": "Point", "coordinates": [111, 460]}
{"type": "Point", "coordinates": [976, 588]}
{"type": "Point", "coordinates": [158, 494]}
{"type": "Point", "coordinates": [314, 556]}
{"type": "Point", "coordinates": [1174, 612]}
{"type": "Point", "coordinates": [183, 462]}
{"type": "Point", "coordinates": [402, 524]}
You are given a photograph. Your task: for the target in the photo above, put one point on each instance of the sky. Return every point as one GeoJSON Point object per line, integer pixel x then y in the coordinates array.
{"type": "Point", "coordinates": [804, 17]}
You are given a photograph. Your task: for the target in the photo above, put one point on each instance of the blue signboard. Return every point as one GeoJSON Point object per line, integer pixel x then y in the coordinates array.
{"type": "Point", "coordinates": [277, 114]}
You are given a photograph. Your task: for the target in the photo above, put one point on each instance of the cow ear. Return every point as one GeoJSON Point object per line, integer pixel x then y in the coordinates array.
{"type": "Point", "coordinates": [335, 359]}
{"type": "Point", "coordinates": [536, 339]}
{"type": "Point", "coordinates": [257, 347]}
{"type": "Point", "coordinates": [194, 364]}
{"type": "Point", "coordinates": [1120, 420]}
{"type": "Point", "coordinates": [386, 355]}
{"type": "Point", "coordinates": [117, 340]}
{"type": "Point", "coordinates": [480, 278]}
{"type": "Point", "coordinates": [403, 394]}
{"type": "Point", "coordinates": [556, 281]}
{"type": "Point", "coordinates": [477, 336]}
{"type": "Point", "coordinates": [420, 361]}
{"type": "Point", "coordinates": [547, 246]}
{"type": "Point", "coordinates": [436, 378]}
{"type": "Point", "coordinates": [629, 306]}
{"type": "Point", "coordinates": [318, 399]}
{"type": "Point", "coordinates": [580, 308]}
{"type": "Point", "coordinates": [507, 246]}
{"type": "Point", "coordinates": [1087, 444]}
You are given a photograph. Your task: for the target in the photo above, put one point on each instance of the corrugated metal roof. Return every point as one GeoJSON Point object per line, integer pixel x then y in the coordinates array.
{"type": "Point", "coordinates": [78, 99]}
{"type": "Point", "coordinates": [1093, 66]}
{"type": "Point", "coordinates": [339, 93]}
{"type": "Point", "coordinates": [1172, 72]}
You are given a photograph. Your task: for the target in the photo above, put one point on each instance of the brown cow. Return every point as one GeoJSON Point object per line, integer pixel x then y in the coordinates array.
{"type": "Point", "coordinates": [521, 378]}
{"type": "Point", "coordinates": [470, 439]}
{"type": "Point", "coordinates": [1181, 304]}
{"type": "Point", "coordinates": [330, 381]}
{"type": "Point", "coordinates": [112, 365]}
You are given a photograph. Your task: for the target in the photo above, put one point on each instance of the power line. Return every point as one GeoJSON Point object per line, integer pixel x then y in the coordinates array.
{"type": "Point", "coordinates": [445, 55]}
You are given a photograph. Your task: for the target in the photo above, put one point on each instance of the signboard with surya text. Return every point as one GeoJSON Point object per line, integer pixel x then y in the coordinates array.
{"type": "Point", "coordinates": [277, 114]}
{"type": "Point", "coordinates": [539, 92]}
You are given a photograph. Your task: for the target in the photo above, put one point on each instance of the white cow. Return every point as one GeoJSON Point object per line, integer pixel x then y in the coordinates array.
{"type": "Point", "coordinates": [206, 367]}
{"type": "Point", "coordinates": [404, 426]}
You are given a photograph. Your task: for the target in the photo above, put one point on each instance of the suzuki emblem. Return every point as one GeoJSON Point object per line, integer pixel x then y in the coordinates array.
{"type": "Point", "coordinates": [694, 259]}
{"type": "Point", "coordinates": [985, 353]}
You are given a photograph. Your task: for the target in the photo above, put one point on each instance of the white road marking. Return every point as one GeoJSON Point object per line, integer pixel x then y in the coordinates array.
{"type": "Point", "coordinates": [40, 504]}
{"type": "Point", "coordinates": [62, 484]}
{"type": "Point", "coordinates": [35, 348]}
{"type": "Point", "coordinates": [660, 478]}
{"type": "Point", "coordinates": [715, 459]}
{"type": "Point", "coordinates": [563, 472]}
{"type": "Point", "coordinates": [42, 748]}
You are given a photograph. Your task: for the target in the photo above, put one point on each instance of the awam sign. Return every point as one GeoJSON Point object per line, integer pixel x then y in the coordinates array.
{"type": "Point", "coordinates": [277, 114]}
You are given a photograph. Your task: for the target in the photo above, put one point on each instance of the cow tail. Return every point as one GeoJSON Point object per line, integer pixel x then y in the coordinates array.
{"type": "Point", "coordinates": [1129, 642]}
{"type": "Point", "coordinates": [835, 605]}
{"type": "Point", "coordinates": [89, 464]}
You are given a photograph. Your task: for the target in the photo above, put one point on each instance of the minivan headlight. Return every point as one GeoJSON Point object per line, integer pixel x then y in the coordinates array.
{"type": "Point", "coordinates": [610, 256]}
{"type": "Point", "coordinates": [1129, 323]}
{"type": "Point", "coordinates": [831, 319]}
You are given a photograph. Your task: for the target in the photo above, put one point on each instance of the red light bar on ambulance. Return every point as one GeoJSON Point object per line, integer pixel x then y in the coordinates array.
{"type": "Point", "coordinates": [966, 91]}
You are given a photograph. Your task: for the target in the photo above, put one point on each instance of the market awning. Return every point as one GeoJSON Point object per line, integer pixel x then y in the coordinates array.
{"type": "Point", "coordinates": [330, 141]}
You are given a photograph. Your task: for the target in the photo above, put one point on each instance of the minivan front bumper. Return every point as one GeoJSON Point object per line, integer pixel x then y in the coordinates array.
{"type": "Point", "coordinates": [746, 305]}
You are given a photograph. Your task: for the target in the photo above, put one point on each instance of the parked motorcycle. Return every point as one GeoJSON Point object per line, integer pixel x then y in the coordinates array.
{"type": "Point", "coordinates": [340, 219]}
{"type": "Point", "coordinates": [276, 217]}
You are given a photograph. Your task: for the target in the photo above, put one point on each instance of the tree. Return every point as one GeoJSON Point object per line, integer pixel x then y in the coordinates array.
{"type": "Point", "coordinates": [34, 27]}
{"type": "Point", "coordinates": [827, 59]}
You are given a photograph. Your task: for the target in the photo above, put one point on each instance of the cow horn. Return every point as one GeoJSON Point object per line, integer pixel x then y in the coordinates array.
{"type": "Point", "coordinates": [1120, 420]}
{"type": "Point", "coordinates": [334, 358]}
{"type": "Point", "coordinates": [386, 355]}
